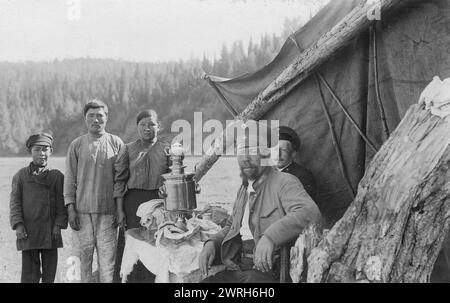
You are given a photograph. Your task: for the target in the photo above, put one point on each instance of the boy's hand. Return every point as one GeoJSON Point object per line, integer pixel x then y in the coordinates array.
{"type": "Point", "coordinates": [21, 233]}
{"type": "Point", "coordinates": [56, 233]}
{"type": "Point", "coordinates": [74, 221]}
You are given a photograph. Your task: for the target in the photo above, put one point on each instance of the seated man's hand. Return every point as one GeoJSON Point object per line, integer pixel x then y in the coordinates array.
{"type": "Point", "coordinates": [206, 257]}
{"type": "Point", "coordinates": [21, 233]}
{"type": "Point", "coordinates": [263, 254]}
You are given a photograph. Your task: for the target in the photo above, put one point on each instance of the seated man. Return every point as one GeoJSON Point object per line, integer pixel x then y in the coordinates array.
{"type": "Point", "coordinates": [289, 145]}
{"type": "Point", "coordinates": [271, 210]}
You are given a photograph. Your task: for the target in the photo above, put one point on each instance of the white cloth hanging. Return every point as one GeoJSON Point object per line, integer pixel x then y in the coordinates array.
{"type": "Point", "coordinates": [436, 97]}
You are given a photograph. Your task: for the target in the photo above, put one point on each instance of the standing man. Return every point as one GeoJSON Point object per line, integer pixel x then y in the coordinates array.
{"type": "Point", "coordinates": [38, 213]}
{"type": "Point", "coordinates": [88, 192]}
{"type": "Point", "coordinates": [289, 145]}
{"type": "Point", "coordinates": [271, 210]}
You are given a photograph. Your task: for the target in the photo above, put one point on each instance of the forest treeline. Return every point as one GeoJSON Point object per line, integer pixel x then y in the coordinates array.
{"type": "Point", "coordinates": [49, 96]}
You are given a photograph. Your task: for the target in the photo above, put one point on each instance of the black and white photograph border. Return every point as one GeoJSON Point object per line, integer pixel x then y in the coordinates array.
{"type": "Point", "coordinates": [128, 152]}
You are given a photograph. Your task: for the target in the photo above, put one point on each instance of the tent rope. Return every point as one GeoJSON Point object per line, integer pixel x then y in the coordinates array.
{"type": "Point", "coordinates": [222, 98]}
{"type": "Point", "coordinates": [373, 33]}
{"type": "Point", "coordinates": [335, 143]}
{"type": "Point", "coordinates": [347, 114]}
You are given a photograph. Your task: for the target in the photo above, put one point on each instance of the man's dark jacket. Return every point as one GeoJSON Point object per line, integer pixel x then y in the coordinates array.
{"type": "Point", "coordinates": [304, 175]}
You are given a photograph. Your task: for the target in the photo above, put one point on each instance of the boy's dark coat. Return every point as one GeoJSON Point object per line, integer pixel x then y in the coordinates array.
{"type": "Point", "coordinates": [37, 201]}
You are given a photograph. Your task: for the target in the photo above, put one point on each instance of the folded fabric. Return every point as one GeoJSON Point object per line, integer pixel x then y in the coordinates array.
{"type": "Point", "coordinates": [151, 213]}
{"type": "Point", "coordinates": [218, 214]}
{"type": "Point", "coordinates": [197, 230]}
{"type": "Point", "coordinates": [436, 97]}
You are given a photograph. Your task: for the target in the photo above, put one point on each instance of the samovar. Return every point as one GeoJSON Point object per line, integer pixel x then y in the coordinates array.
{"type": "Point", "coordinates": [179, 188]}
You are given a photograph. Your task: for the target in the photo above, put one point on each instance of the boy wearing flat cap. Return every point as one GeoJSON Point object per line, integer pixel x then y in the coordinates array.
{"type": "Point", "coordinates": [37, 212]}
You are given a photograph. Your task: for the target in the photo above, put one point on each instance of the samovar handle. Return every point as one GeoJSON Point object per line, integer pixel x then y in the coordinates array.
{"type": "Point", "coordinates": [167, 150]}
{"type": "Point", "coordinates": [197, 188]}
{"type": "Point", "coordinates": [162, 191]}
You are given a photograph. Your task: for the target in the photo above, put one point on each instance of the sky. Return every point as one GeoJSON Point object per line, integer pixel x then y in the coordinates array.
{"type": "Point", "coordinates": [137, 30]}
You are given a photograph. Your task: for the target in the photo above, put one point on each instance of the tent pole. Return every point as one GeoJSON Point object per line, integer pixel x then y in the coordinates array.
{"type": "Point", "coordinates": [221, 96]}
{"type": "Point", "coordinates": [373, 31]}
{"type": "Point", "coordinates": [347, 114]}
{"type": "Point", "coordinates": [333, 137]}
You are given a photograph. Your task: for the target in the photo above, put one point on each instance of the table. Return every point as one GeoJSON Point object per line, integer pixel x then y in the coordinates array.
{"type": "Point", "coordinates": [170, 264]}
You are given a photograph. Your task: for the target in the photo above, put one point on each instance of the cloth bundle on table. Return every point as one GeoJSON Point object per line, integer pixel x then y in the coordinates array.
{"type": "Point", "coordinates": [169, 254]}
{"type": "Point", "coordinates": [151, 213]}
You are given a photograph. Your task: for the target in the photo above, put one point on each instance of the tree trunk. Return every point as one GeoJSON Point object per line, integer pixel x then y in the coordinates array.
{"type": "Point", "coordinates": [395, 227]}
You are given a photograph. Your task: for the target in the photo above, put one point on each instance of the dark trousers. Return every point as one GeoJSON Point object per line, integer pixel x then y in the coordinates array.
{"type": "Point", "coordinates": [242, 276]}
{"type": "Point", "coordinates": [132, 199]}
{"type": "Point", "coordinates": [246, 274]}
{"type": "Point", "coordinates": [33, 259]}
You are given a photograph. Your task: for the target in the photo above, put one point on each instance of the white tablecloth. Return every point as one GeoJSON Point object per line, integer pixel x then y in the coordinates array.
{"type": "Point", "coordinates": [170, 263]}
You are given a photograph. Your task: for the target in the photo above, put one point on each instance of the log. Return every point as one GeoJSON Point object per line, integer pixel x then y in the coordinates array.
{"type": "Point", "coordinates": [339, 36]}
{"type": "Point", "coordinates": [395, 227]}
{"type": "Point", "coordinates": [328, 44]}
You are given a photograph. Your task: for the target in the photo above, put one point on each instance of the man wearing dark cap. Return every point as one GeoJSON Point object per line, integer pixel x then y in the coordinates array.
{"type": "Point", "coordinates": [37, 212]}
{"type": "Point", "coordinates": [289, 145]}
{"type": "Point", "coordinates": [88, 193]}
{"type": "Point", "coordinates": [270, 211]}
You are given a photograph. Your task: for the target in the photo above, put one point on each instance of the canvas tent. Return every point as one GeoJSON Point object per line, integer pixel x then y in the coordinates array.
{"type": "Point", "coordinates": [412, 45]}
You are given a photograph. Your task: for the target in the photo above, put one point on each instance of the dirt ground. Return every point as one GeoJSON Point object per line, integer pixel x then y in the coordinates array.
{"type": "Point", "coordinates": [218, 187]}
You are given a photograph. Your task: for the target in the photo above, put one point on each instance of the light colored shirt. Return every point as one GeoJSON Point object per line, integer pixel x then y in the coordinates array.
{"type": "Point", "coordinates": [89, 177]}
{"type": "Point", "coordinates": [245, 231]}
{"type": "Point", "coordinates": [138, 167]}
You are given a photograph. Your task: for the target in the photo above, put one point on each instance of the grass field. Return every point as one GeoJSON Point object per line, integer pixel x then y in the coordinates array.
{"type": "Point", "coordinates": [218, 187]}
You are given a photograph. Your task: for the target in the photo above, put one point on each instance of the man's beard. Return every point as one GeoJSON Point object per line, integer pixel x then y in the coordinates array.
{"type": "Point", "coordinates": [281, 163]}
{"type": "Point", "coordinates": [252, 175]}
